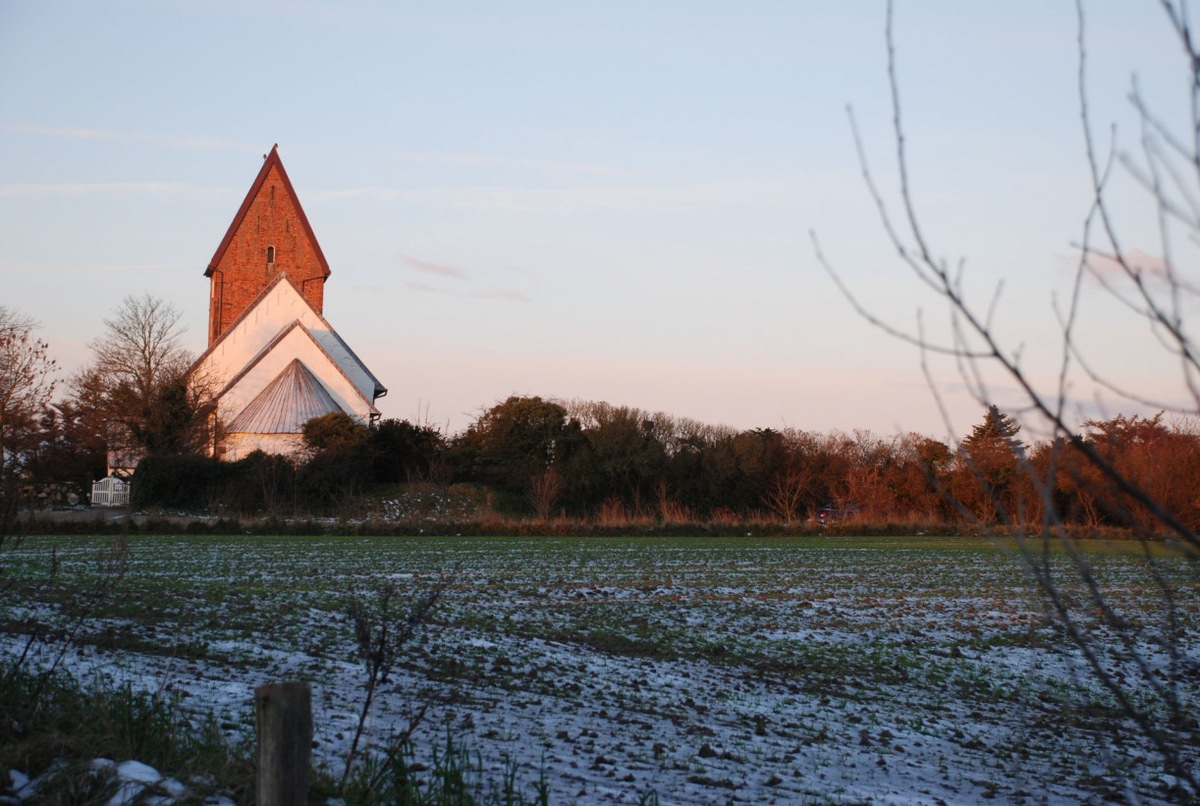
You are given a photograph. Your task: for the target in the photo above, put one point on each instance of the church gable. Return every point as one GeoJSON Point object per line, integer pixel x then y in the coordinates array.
{"type": "Point", "coordinates": [286, 404]}
{"type": "Point", "coordinates": [273, 361]}
{"type": "Point", "coordinates": [270, 234]}
{"type": "Point", "coordinates": [279, 307]}
{"type": "Point", "coordinates": [293, 342]}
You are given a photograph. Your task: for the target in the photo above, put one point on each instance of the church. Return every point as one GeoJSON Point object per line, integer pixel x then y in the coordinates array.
{"type": "Point", "coordinates": [273, 360]}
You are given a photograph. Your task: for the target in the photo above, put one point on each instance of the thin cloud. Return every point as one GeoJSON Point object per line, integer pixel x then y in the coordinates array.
{"type": "Point", "coordinates": [520, 272]}
{"type": "Point", "coordinates": [25, 190]}
{"type": "Point", "coordinates": [146, 267]}
{"type": "Point", "coordinates": [501, 294]}
{"type": "Point", "coordinates": [1156, 273]}
{"type": "Point", "coordinates": [160, 141]}
{"type": "Point", "coordinates": [644, 199]}
{"type": "Point", "coordinates": [1107, 265]}
{"type": "Point", "coordinates": [630, 199]}
{"type": "Point", "coordinates": [488, 161]}
{"type": "Point", "coordinates": [424, 288]}
{"type": "Point", "coordinates": [106, 268]}
{"type": "Point", "coordinates": [442, 270]}
{"type": "Point", "coordinates": [429, 267]}
{"type": "Point", "coordinates": [368, 193]}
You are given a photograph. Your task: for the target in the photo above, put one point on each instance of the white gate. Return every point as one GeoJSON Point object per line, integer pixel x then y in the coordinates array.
{"type": "Point", "coordinates": [110, 492]}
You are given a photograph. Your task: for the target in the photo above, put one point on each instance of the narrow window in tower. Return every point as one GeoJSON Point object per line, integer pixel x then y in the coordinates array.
{"type": "Point", "coordinates": [270, 256]}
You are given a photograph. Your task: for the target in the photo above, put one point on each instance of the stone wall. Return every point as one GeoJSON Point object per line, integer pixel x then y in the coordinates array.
{"type": "Point", "coordinates": [53, 495]}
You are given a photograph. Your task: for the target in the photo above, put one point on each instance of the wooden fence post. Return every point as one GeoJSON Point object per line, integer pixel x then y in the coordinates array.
{"type": "Point", "coordinates": [283, 716]}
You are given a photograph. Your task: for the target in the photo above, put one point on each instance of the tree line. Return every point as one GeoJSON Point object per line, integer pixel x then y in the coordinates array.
{"type": "Point", "coordinates": [547, 458]}
{"type": "Point", "coordinates": [586, 459]}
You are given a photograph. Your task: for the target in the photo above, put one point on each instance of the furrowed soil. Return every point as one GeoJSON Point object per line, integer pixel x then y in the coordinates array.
{"type": "Point", "coordinates": [702, 670]}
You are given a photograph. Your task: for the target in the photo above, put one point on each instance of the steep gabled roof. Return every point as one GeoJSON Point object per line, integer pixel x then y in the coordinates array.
{"type": "Point", "coordinates": [326, 340]}
{"type": "Point", "coordinates": [272, 161]}
{"type": "Point", "coordinates": [267, 349]}
{"type": "Point", "coordinates": [286, 404]}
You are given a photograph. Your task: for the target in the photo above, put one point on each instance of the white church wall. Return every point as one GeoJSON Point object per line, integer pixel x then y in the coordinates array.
{"type": "Point", "coordinates": [281, 307]}
{"type": "Point", "coordinates": [296, 344]}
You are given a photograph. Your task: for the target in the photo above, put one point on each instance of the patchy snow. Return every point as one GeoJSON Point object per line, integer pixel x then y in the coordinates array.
{"type": "Point", "coordinates": [137, 772]}
{"type": "Point", "coordinates": [706, 672]}
{"type": "Point", "coordinates": [132, 782]}
{"type": "Point", "coordinates": [20, 786]}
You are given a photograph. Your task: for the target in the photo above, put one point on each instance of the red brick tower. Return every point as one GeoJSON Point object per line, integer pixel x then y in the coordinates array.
{"type": "Point", "coordinates": [269, 234]}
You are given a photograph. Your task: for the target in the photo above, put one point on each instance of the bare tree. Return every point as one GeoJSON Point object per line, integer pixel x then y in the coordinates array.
{"type": "Point", "coordinates": [26, 373]}
{"type": "Point", "coordinates": [26, 386]}
{"type": "Point", "coordinates": [139, 381]}
{"type": "Point", "coordinates": [544, 489]}
{"type": "Point", "coordinates": [1139, 654]}
{"type": "Point", "coordinates": [786, 492]}
{"type": "Point", "coordinates": [140, 348]}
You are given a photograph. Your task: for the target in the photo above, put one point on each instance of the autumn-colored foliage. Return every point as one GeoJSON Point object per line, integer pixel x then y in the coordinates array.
{"type": "Point", "coordinates": [606, 464]}
{"type": "Point", "coordinates": [606, 459]}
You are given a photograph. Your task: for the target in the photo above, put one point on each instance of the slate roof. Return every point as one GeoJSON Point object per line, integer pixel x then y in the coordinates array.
{"type": "Point", "coordinates": [293, 398]}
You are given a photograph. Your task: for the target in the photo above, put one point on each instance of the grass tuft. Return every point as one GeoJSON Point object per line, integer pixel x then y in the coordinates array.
{"type": "Point", "coordinates": [52, 727]}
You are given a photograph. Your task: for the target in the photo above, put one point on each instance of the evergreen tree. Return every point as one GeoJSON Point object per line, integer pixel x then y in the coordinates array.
{"type": "Point", "coordinates": [985, 481]}
{"type": "Point", "coordinates": [998, 430]}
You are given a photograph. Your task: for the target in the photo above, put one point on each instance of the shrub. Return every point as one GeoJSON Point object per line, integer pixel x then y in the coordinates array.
{"type": "Point", "coordinates": [178, 482]}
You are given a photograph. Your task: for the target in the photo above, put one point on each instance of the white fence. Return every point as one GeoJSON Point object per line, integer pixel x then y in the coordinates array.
{"type": "Point", "coordinates": [110, 492]}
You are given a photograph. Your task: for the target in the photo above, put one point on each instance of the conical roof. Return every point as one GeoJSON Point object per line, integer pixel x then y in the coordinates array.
{"type": "Point", "coordinates": [293, 398]}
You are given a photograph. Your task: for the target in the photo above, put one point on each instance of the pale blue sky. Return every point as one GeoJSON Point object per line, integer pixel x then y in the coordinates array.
{"type": "Point", "coordinates": [603, 200]}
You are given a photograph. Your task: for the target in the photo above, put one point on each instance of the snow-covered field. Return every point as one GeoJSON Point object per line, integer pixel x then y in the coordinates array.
{"type": "Point", "coordinates": [703, 670]}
